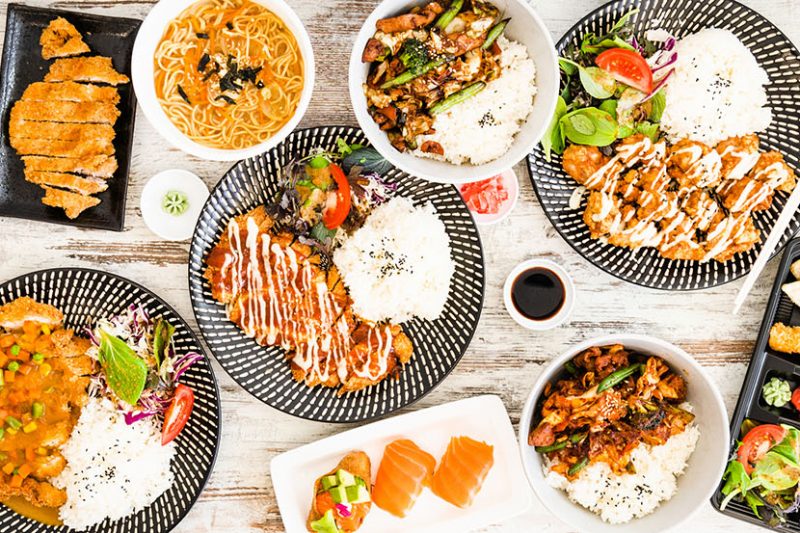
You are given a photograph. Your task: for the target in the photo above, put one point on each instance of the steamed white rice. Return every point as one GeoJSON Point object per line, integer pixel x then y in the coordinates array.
{"type": "Point", "coordinates": [482, 128]}
{"type": "Point", "coordinates": [620, 498]}
{"type": "Point", "coordinates": [716, 91]}
{"type": "Point", "coordinates": [397, 265]}
{"type": "Point", "coordinates": [113, 469]}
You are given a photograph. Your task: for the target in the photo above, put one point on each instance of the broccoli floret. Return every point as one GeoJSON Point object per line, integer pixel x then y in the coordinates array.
{"type": "Point", "coordinates": [413, 54]}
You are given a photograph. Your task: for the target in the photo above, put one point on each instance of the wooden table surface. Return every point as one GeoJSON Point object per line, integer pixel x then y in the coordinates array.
{"type": "Point", "coordinates": [503, 359]}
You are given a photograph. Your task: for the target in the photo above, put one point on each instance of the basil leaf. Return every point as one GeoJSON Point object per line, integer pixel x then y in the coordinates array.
{"type": "Point", "coordinates": [658, 102]}
{"type": "Point", "coordinates": [609, 106]}
{"type": "Point", "coordinates": [597, 82]}
{"type": "Point", "coordinates": [648, 129]}
{"type": "Point", "coordinates": [553, 140]}
{"type": "Point", "coordinates": [589, 126]}
{"type": "Point", "coordinates": [368, 158]}
{"type": "Point", "coordinates": [569, 67]}
{"type": "Point", "coordinates": [162, 337]}
{"type": "Point", "coordinates": [125, 371]}
{"type": "Point", "coordinates": [625, 131]}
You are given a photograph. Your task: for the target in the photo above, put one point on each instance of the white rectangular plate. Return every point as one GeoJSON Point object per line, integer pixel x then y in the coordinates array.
{"type": "Point", "coordinates": [505, 492]}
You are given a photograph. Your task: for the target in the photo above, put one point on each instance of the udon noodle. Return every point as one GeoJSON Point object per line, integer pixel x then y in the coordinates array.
{"type": "Point", "coordinates": [228, 73]}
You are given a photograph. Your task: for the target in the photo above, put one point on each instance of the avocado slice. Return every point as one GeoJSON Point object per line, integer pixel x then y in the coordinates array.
{"type": "Point", "coordinates": [328, 482]}
{"type": "Point", "coordinates": [326, 523]}
{"type": "Point", "coordinates": [339, 494]}
{"type": "Point", "coordinates": [357, 494]}
{"type": "Point", "coordinates": [345, 478]}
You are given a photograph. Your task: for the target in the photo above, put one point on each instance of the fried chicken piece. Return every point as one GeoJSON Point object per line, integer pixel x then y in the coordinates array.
{"type": "Point", "coordinates": [363, 353]}
{"type": "Point", "coordinates": [410, 21]}
{"type": "Point", "coordinates": [23, 129]}
{"type": "Point", "coordinates": [70, 92]}
{"type": "Point", "coordinates": [92, 69]}
{"type": "Point", "coordinates": [101, 166]}
{"type": "Point", "coordinates": [373, 50]}
{"type": "Point", "coordinates": [14, 314]}
{"type": "Point", "coordinates": [602, 213]}
{"type": "Point", "coordinates": [746, 195]}
{"type": "Point", "coordinates": [783, 338]}
{"type": "Point", "coordinates": [73, 204]}
{"type": "Point", "coordinates": [679, 238]}
{"type": "Point", "coordinates": [773, 170]}
{"type": "Point", "coordinates": [79, 149]}
{"type": "Point", "coordinates": [729, 236]}
{"type": "Point", "coordinates": [738, 155]}
{"type": "Point", "coordinates": [64, 111]}
{"type": "Point", "coordinates": [71, 182]}
{"type": "Point", "coordinates": [61, 39]}
{"type": "Point", "coordinates": [701, 207]}
{"type": "Point", "coordinates": [582, 162]}
{"type": "Point", "coordinates": [693, 164]}
{"type": "Point", "coordinates": [633, 232]}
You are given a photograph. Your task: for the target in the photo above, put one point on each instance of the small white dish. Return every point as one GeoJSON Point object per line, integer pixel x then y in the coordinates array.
{"type": "Point", "coordinates": [167, 226]}
{"type": "Point", "coordinates": [706, 464]}
{"type": "Point", "coordinates": [504, 493]}
{"type": "Point", "coordinates": [525, 27]}
{"type": "Point", "coordinates": [142, 74]}
{"type": "Point", "coordinates": [510, 182]}
{"type": "Point", "coordinates": [566, 307]}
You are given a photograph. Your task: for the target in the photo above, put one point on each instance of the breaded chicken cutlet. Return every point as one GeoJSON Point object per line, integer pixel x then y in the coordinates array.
{"type": "Point", "coordinates": [783, 338]}
{"type": "Point", "coordinates": [63, 127]}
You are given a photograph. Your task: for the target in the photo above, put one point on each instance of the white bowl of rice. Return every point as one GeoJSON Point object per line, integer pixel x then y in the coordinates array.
{"type": "Point", "coordinates": [663, 499]}
{"type": "Point", "coordinates": [520, 102]}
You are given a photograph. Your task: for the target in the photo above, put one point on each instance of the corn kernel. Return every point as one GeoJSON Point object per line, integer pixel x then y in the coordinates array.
{"type": "Point", "coordinates": [41, 451]}
{"type": "Point", "coordinates": [45, 329]}
{"type": "Point", "coordinates": [12, 431]}
{"type": "Point", "coordinates": [45, 368]}
{"type": "Point", "coordinates": [30, 428]}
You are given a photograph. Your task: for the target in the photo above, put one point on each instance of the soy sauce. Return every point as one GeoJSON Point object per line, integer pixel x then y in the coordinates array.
{"type": "Point", "coordinates": [538, 293]}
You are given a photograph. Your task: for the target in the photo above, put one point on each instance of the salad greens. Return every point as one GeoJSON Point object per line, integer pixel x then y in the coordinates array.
{"type": "Point", "coordinates": [125, 371]}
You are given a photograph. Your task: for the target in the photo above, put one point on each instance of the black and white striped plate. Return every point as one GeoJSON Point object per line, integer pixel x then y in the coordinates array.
{"type": "Point", "coordinates": [84, 296]}
{"type": "Point", "coordinates": [776, 55]}
{"type": "Point", "coordinates": [264, 371]}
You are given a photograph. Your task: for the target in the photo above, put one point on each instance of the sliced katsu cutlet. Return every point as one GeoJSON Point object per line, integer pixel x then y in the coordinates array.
{"type": "Point", "coordinates": [27, 129]}
{"type": "Point", "coordinates": [72, 204]}
{"type": "Point", "coordinates": [14, 314]}
{"type": "Point", "coordinates": [71, 92]}
{"type": "Point", "coordinates": [53, 148]}
{"type": "Point", "coordinates": [94, 69]}
{"type": "Point", "coordinates": [70, 182]}
{"type": "Point", "coordinates": [61, 39]}
{"type": "Point", "coordinates": [63, 111]}
{"type": "Point", "coordinates": [101, 166]}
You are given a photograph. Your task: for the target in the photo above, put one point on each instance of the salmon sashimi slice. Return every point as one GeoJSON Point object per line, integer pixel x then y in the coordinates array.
{"type": "Point", "coordinates": [72, 204]}
{"type": "Point", "coordinates": [462, 470]}
{"type": "Point", "coordinates": [95, 69]}
{"type": "Point", "coordinates": [71, 92]}
{"type": "Point", "coordinates": [100, 166]}
{"type": "Point", "coordinates": [63, 111]}
{"type": "Point", "coordinates": [61, 39]}
{"type": "Point", "coordinates": [25, 129]}
{"type": "Point", "coordinates": [67, 181]}
{"type": "Point", "coordinates": [54, 148]}
{"type": "Point", "coordinates": [404, 470]}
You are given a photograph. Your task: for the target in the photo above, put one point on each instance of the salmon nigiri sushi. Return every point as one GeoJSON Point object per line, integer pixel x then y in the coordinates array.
{"type": "Point", "coordinates": [404, 470]}
{"type": "Point", "coordinates": [462, 470]}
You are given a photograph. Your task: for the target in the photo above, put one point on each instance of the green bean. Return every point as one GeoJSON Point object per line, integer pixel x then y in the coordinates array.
{"type": "Point", "coordinates": [577, 437]}
{"type": "Point", "coordinates": [410, 74]}
{"type": "Point", "coordinates": [577, 467]}
{"type": "Point", "coordinates": [552, 447]}
{"type": "Point", "coordinates": [450, 13]}
{"type": "Point", "coordinates": [456, 98]}
{"type": "Point", "coordinates": [494, 33]}
{"type": "Point", "coordinates": [570, 367]}
{"type": "Point", "coordinates": [615, 377]}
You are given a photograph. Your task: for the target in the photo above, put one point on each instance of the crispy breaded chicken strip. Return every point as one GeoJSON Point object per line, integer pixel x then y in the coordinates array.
{"type": "Point", "coordinates": [49, 147]}
{"type": "Point", "coordinates": [26, 129]}
{"type": "Point", "coordinates": [95, 69]}
{"type": "Point", "coordinates": [14, 314]}
{"type": "Point", "coordinates": [71, 92]}
{"type": "Point", "coordinates": [100, 166]}
{"type": "Point", "coordinates": [73, 204]}
{"type": "Point", "coordinates": [67, 181]}
{"type": "Point", "coordinates": [61, 39]}
{"type": "Point", "coordinates": [63, 111]}
{"type": "Point", "coordinates": [783, 338]}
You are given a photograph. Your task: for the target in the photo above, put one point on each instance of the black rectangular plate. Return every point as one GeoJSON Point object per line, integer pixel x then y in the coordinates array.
{"type": "Point", "coordinates": [22, 65]}
{"type": "Point", "coordinates": [765, 364]}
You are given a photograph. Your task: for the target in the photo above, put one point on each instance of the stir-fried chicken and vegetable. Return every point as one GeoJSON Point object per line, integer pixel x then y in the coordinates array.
{"type": "Point", "coordinates": [426, 61]}
{"type": "Point", "coordinates": [612, 400]}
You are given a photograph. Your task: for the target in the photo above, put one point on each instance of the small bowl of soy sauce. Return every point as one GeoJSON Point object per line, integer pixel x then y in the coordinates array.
{"type": "Point", "coordinates": [539, 294]}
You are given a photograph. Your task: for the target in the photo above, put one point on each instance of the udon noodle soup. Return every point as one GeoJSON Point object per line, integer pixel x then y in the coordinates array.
{"type": "Point", "coordinates": [228, 73]}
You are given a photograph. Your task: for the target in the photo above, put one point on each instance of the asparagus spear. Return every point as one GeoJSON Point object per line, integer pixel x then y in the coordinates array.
{"type": "Point", "coordinates": [456, 98]}
{"type": "Point", "coordinates": [495, 32]}
{"type": "Point", "coordinates": [447, 17]}
{"type": "Point", "coordinates": [410, 74]}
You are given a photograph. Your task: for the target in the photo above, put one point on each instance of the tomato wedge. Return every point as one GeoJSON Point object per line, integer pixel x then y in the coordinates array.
{"type": "Point", "coordinates": [796, 398]}
{"type": "Point", "coordinates": [177, 413]}
{"type": "Point", "coordinates": [628, 67]}
{"type": "Point", "coordinates": [335, 213]}
{"type": "Point", "coordinates": [757, 442]}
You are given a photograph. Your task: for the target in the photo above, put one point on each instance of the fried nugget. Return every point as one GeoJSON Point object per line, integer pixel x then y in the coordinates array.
{"type": "Point", "coordinates": [61, 39]}
{"type": "Point", "coordinates": [783, 338]}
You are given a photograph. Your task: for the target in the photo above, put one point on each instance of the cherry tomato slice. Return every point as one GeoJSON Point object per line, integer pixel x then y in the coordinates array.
{"type": "Point", "coordinates": [628, 67]}
{"type": "Point", "coordinates": [757, 442]}
{"type": "Point", "coordinates": [177, 413]}
{"type": "Point", "coordinates": [796, 398]}
{"type": "Point", "coordinates": [335, 215]}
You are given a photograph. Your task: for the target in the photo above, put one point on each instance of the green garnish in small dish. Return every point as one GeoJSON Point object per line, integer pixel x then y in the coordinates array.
{"type": "Point", "coordinates": [175, 203]}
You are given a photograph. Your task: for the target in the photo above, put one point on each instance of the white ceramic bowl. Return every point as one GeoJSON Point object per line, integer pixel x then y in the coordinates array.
{"type": "Point", "coordinates": [147, 40]}
{"type": "Point", "coordinates": [525, 27]}
{"type": "Point", "coordinates": [566, 308]}
{"type": "Point", "coordinates": [706, 465]}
